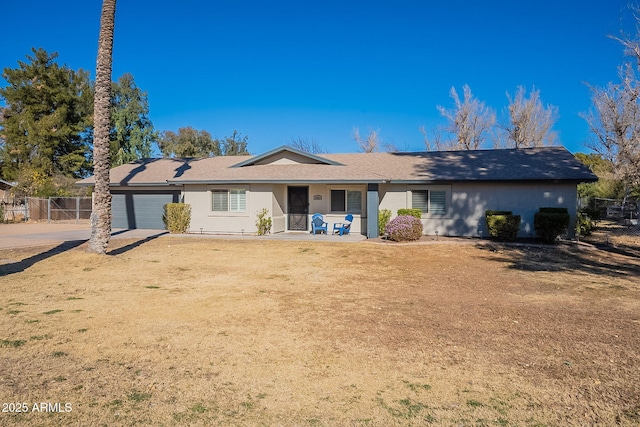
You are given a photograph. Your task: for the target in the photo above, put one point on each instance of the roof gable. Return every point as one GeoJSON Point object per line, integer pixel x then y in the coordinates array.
{"type": "Point", "coordinates": [286, 155]}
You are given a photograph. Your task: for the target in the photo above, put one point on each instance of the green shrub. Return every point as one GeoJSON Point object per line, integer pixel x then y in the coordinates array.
{"type": "Point", "coordinates": [383, 219]}
{"type": "Point", "coordinates": [592, 213]}
{"type": "Point", "coordinates": [502, 225]}
{"type": "Point", "coordinates": [584, 224]}
{"type": "Point", "coordinates": [1, 213]}
{"type": "Point", "coordinates": [551, 223]}
{"type": "Point", "coordinates": [490, 212]}
{"type": "Point", "coordinates": [404, 228]}
{"type": "Point", "coordinates": [177, 217]}
{"type": "Point", "coordinates": [263, 223]}
{"type": "Point", "coordinates": [410, 212]}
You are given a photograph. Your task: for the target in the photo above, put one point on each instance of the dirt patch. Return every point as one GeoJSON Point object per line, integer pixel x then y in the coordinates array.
{"type": "Point", "coordinates": [219, 332]}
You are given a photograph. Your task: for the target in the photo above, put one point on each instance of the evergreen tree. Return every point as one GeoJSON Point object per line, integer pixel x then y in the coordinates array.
{"type": "Point", "coordinates": [45, 120]}
{"type": "Point", "coordinates": [132, 133]}
{"type": "Point", "coordinates": [189, 142]}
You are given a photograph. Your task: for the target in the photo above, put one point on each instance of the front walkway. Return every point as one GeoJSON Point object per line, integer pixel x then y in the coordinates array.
{"type": "Point", "coordinates": [26, 234]}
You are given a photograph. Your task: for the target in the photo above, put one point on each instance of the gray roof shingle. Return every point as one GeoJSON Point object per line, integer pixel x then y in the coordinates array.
{"type": "Point", "coordinates": [528, 164]}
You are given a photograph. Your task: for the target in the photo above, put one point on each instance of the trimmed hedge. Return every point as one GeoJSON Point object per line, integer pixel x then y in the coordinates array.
{"type": "Point", "coordinates": [177, 217]}
{"type": "Point", "coordinates": [490, 212]}
{"type": "Point", "coordinates": [417, 213]}
{"type": "Point", "coordinates": [502, 225]}
{"type": "Point", "coordinates": [551, 223]}
{"type": "Point", "coordinates": [404, 228]}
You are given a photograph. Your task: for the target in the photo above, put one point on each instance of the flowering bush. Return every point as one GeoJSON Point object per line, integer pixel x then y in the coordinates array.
{"type": "Point", "coordinates": [404, 228]}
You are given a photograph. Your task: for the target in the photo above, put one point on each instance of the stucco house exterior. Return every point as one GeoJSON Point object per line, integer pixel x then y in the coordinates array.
{"type": "Point", "coordinates": [453, 189]}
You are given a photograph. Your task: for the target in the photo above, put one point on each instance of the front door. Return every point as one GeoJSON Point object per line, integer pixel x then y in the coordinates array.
{"type": "Point", "coordinates": [298, 208]}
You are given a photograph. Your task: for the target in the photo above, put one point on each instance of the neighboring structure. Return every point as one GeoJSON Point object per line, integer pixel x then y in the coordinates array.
{"type": "Point", "coordinates": [453, 189]}
{"type": "Point", "coordinates": [5, 191]}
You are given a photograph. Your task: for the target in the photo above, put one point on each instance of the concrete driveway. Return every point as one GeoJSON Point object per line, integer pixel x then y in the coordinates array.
{"type": "Point", "coordinates": [40, 234]}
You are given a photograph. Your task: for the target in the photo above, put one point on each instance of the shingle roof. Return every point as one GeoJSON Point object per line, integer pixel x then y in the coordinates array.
{"type": "Point", "coordinates": [529, 164]}
{"type": "Point", "coordinates": [6, 185]}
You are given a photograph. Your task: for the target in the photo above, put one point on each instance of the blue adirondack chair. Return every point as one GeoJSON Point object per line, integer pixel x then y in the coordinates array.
{"type": "Point", "coordinates": [343, 227]}
{"type": "Point", "coordinates": [318, 224]}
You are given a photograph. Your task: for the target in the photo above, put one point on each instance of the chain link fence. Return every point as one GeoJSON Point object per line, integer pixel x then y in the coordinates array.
{"type": "Point", "coordinates": [624, 213]}
{"type": "Point", "coordinates": [53, 209]}
{"type": "Point", "coordinates": [58, 209]}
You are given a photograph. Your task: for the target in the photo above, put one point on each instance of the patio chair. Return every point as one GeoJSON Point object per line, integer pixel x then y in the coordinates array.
{"type": "Point", "coordinates": [343, 227]}
{"type": "Point", "coordinates": [318, 224]}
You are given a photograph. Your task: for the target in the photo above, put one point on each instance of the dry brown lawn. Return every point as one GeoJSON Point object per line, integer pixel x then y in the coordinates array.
{"type": "Point", "coordinates": [183, 331]}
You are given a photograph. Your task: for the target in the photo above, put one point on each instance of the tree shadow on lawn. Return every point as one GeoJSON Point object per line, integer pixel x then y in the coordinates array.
{"type": "Point", "coordinates": [135, 244]}
{"type": "Point", "coordinates": [20, 266]}
{"type": "Point", "coordinates": [599, 260]}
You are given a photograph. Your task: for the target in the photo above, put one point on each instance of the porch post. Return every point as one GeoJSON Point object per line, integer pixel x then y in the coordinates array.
{"type": "Point", "coordinates": [372, 211]}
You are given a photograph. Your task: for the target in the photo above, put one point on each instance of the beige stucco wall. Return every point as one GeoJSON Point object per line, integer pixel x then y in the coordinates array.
{"type": "Point", "coordinates": [204, 219]}
{"type": "Point", "coordinates": [269, 196]}
{"type": "Point", "coordinates": [278, 207]}
{"type": "Point", "coordinates": [467, 203]}
{"type": "Point", "coordinates": [320, 202]}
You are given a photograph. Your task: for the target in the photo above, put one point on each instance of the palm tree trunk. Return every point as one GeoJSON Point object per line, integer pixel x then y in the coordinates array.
{"type": "Point", "coordinates": [101, 215]}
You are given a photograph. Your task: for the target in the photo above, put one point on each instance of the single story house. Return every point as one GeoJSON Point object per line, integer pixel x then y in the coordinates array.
{"type": "Point", "coordinates": [452, 188]}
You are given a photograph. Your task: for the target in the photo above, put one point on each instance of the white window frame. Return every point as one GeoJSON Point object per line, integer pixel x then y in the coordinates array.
{"type": "Point", "coordinates": [235, 205]}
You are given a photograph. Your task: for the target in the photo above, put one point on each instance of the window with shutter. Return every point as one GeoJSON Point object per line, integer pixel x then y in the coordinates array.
{"type": "Point", "coordinates": [420, 200]}
{"type": "Point", "coordinates": [354, 201]}
{"type": "Point", "coordinates": [220, 200]}
{"type": "Point", "coordinates": [229, 200]}
{"type": "Point", "coordinates": [238, 201]}
{"type": "Point", "coordinates": [438, 202]}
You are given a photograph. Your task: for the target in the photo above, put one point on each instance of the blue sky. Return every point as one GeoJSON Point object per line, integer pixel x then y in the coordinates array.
{"type": "Point", "coordinates": [280, 70]}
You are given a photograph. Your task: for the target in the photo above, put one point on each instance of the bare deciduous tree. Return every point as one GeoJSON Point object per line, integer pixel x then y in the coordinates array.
{"type": "Point", "coordinates": [631, 43]}
{"type": "Point", "coordinates": [530, 123]}
{"type": "Point", "coordinates": [469, 121]}
{"type": "Point", "coordinates": [615, 125]}
{"type": "Point", "coordinates": [433, 143]}
{"type": "Point", "coordinates": [371, 143]}
{"type": "Point", "coordinates": [308, 145]}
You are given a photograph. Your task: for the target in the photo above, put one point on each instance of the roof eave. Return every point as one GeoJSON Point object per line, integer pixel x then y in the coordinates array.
{"type": "Point", "coordinates": [277, 181]}
{"type": "Point", "coordinates": [481, 180]}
